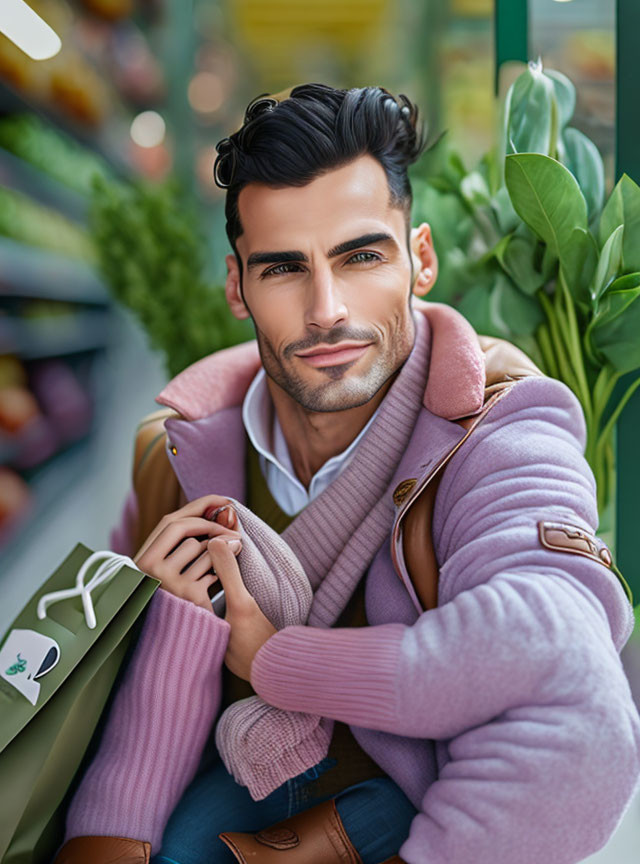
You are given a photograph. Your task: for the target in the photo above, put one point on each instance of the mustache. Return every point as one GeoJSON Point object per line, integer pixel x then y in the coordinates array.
{"type": "Point", "coordinates": [339, 334]}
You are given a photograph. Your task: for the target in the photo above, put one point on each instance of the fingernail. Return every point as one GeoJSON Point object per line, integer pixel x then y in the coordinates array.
{"type": "Point", "coordinates": [235, 546]}
{"type": "Point", "coordinates": [222, 515]}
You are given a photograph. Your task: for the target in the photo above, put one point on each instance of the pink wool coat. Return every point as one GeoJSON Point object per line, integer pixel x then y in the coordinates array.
{"type": "Point", "coordinates": [504, 713]}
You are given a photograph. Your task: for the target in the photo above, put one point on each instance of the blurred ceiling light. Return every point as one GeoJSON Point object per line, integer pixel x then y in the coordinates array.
{"type": "Point", "coordinates": [563, 1]}
{"type": "Point", "coordinates": [205, 92]}
{"type": "Point", "coordinates": [148, 129]}
{"type": "Point", "coordinates": [27, 30]}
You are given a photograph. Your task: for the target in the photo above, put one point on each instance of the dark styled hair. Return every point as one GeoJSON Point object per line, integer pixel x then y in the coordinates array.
{"type": "Point", "coordinates": [317, 128]}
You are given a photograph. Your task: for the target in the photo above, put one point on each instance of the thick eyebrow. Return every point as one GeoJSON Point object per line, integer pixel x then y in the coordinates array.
{"type": "Point", "coordinates": [257, 258]}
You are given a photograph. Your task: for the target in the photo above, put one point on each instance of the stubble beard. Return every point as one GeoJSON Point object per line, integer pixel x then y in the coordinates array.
{"type": "Point", "coordinates": [341, 390]}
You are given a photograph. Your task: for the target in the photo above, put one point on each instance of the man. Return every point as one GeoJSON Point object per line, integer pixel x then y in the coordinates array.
{"type": "Point", "coordinates": [473, 709]}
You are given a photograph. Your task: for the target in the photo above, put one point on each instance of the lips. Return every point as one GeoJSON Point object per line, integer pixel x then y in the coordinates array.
{"type": "Point", "coordinates": [334, 355]}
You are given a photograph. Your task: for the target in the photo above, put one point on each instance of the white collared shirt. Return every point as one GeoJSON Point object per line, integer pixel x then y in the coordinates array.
{"type": "Point", "coordinates": [277, 469]}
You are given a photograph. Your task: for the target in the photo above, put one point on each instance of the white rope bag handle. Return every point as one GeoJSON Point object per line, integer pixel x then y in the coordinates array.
{"type": "Point", "coordinates": [112, 562]}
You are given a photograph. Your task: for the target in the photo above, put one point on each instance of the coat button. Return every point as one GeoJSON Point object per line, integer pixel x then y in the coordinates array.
{"type": "Point", "coordinates": [173, 449]}
{"type": "Point", "coordinates": [402, 490]}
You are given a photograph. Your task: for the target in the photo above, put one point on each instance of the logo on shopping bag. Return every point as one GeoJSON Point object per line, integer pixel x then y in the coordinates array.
{"type": "Point", "coordinates": [19, 666]}
{"type": "Point", "coordinates": [24, 651]}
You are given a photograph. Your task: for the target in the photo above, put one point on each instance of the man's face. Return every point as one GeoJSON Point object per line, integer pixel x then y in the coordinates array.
{"type": "Point", "coordinates": [326, 279]}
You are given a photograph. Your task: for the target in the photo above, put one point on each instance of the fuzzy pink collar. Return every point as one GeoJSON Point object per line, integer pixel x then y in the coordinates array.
{"type": "Point", "coordinates": [455, 386]}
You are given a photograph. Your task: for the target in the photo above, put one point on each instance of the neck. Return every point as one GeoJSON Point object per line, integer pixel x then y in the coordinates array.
{"type": "Point", "coordinates": [313, 437]}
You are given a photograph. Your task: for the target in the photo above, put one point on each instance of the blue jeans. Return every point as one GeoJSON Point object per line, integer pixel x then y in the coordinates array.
{"type": "Point", "coordinates": [376, 814]}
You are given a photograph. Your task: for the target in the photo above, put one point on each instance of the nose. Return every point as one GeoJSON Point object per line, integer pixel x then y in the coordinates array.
{"type": "Point", "coordinates": [325, 306]}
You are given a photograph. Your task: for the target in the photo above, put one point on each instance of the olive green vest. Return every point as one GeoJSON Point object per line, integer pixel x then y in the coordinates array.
{"type": "Point", "coordinates": [353, 764]}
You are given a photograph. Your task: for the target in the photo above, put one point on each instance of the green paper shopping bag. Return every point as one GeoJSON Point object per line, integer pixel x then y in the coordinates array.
{"type": "Point", "coordinates": [58, 663]}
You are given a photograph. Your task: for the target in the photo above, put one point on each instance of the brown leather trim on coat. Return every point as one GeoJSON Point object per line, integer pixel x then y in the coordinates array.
{"type": "Point", "coordinates": [104, 850]}
{"type": "Point", "coordinates": [315, 836]}
{"type": "Point", "coordinates": [156, 485]}
{"type": "Point", "coordinates": [505, 364]}
{"type": "Point", "coordinates": [562, 537]}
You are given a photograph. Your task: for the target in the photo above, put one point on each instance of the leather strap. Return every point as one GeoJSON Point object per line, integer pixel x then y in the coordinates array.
{"type": "Point", "coordinates": [315, 836]}
{"type": "Point", "coordinates": [104, 850]}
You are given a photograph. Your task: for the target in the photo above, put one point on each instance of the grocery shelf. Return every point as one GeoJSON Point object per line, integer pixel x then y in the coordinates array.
{"type": "Point", "coordinates": [54, 336]}
{"type": "Point", "coordinates": [19, 175]}
{"type": "Point", "coordinates": [48, 484]}
{"type": "Point", "coordinates": [13, 101]}
{"type": "Point", "coordinates": [26, 271]}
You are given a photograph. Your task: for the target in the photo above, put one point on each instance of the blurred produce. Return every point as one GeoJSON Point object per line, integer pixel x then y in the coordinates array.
{"type": "Point", "coordinates": [18, 407]}
{"type": "Point", "coordinates": [68, 82]}
{"type": "Point", "coordinates": [15, 501]}
{"type": "Point", "coordinates": [28, 137]}
{"type": "Point", "coordinates": [42, 410]}
{"type": "Point", "coordinates": [62, 398]}
{"type": "Point", "coordinates": [23, 219]}
{"type": "Point", "coordinates": [12, 372]}
{"type": "Point", "coordinates": [110, 9]}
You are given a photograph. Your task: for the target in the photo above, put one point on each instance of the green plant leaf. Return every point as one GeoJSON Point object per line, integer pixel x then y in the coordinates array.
{"type": "Point", "coordinates": [455, 165]}
{"type": "Point", "coordinates": [579, 264]}
{"type": "Point", "coordinates": [613, 333]}
{"type": "Point", "coordinates": [530, 118]}
{"type": "Point", "coordinates": [565, 94]}
{"type": "Point", "coordinates": [583, 159]}
{"type": "Point", "coordinates": [497, 308]}
{"type": "Point", "coordinates": [549, 263]}
{"type": "Point", "coordinates": [608, 265]}
{"type": "Point", "coordinates": [517, 257]}
{"type": "Point", "coordinates": [547, 197]}
{"type": "Point", "coordinates": [623, 208]}
{"type": "Point", "coordinates": [502, 145]}
{"type": "Point", "coordinates": [474, 300]}
{"type": "Point", "coordinates": [512, 312]}
{"type": "Point", "coordinates": [506, 217]}
{"type": "Point", "coordinates": [474, 189]}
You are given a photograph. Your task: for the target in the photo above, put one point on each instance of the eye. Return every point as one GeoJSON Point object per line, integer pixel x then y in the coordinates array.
{"type": "Point", "coordinates": [364, 257]}
{"type": "Point", "coordinates": [280, 269]}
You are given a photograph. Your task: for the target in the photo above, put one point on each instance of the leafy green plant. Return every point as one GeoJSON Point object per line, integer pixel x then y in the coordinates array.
{"type": "Point", "coordinates": [152, 259]}
{"type": "Point", "coordinates": [541, 259]}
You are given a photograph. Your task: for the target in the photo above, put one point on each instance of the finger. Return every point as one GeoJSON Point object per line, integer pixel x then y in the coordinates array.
{"type": "Point", "coordinates": [175, 532]}
{"type": "Point", "coordinates": [226, 567]}
{"type": "Point", "coordinates": [199, 506]}
{"type": "Point", "coordinates": [186, 552]}
{"type": "Point", "coordinates": [201, 568]}
{"type": "Point", "coordinates": [225, 515]}
{"type": "Point", "coordinates": [192, 508]}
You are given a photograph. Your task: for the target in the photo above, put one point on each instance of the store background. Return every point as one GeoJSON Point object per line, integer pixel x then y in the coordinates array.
{"type": "Point", "coordinates": [146, 89]}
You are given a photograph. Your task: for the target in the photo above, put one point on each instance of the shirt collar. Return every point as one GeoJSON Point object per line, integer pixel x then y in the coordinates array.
{"type": "Point", "coordinates": [265, 432]}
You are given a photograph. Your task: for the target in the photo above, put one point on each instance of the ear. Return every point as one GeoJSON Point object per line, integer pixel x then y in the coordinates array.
{"type": "Point", "coordinates": [232, 289]}
{"type": "Point", "coordinates": [425, 260]}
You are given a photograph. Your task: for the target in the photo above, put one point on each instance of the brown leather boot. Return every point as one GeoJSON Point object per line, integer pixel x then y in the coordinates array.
{"type": "Point", "coordinates": [315, 836]}
{"type": "Point", "coordinates": [104, 850]}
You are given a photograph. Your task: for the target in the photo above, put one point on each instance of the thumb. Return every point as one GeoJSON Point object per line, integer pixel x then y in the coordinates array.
{"type": "Point", "coordinates": [226, 566]}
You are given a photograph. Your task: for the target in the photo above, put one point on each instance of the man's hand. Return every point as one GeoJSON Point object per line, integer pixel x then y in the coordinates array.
{"type": "Point", "coordinates": [176, 550]}
{"type": "Point", "coordinates": [250, 629]}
